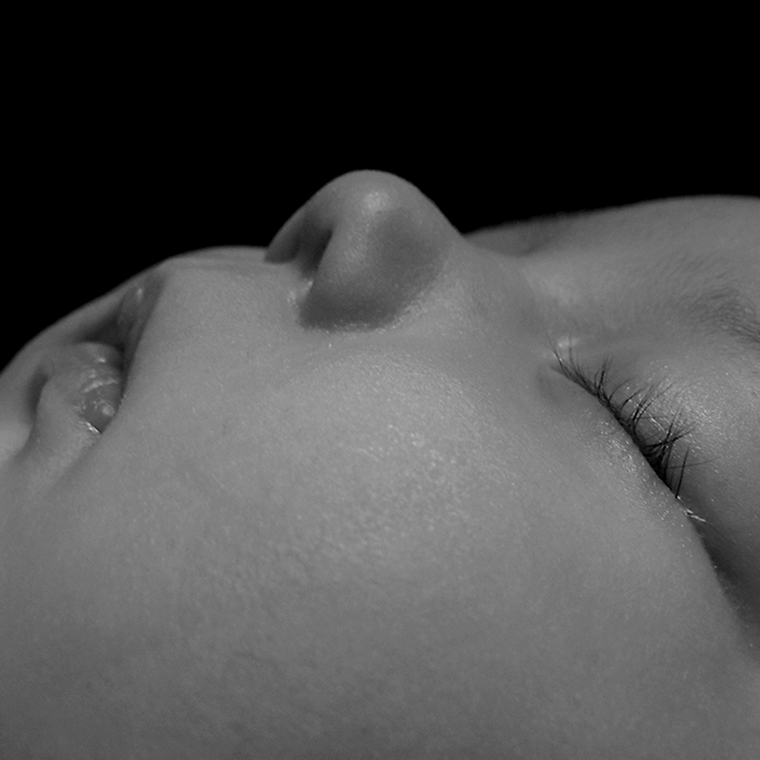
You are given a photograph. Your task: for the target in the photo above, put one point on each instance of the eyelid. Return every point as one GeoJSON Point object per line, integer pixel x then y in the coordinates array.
{"type": "Point", "coordinates": [655, 435]}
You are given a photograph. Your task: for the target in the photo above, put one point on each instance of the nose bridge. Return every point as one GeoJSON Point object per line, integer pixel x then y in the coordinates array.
{"type": "Point", "coordinates": [369, 245]}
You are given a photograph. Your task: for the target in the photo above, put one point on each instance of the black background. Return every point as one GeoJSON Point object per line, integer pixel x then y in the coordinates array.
{"type": "Point", "coordinates": [104, 188]}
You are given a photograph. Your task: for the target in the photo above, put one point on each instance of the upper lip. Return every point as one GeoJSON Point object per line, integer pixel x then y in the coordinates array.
{"type": "Point", "coordinates": [133, 315]}
{"type": "Point", "coordinates": [126, 324]}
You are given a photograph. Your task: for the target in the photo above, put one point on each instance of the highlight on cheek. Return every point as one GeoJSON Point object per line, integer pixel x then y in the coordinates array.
{"type": "Point", "coordinates": [12, 438]}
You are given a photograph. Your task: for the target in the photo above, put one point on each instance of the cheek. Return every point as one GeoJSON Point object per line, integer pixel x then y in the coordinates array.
{"type": "Point", "coordinates": [429, 547]}
{"type": "Point", "coordinates": [378, 571]}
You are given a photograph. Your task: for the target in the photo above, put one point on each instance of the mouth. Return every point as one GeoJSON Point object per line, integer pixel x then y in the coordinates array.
{"type": "Point", "coordinates": [86, 379]}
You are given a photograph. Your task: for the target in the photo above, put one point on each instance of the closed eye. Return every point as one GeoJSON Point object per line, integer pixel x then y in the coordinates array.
{"type": "Point", "coordinates": [658, 438]}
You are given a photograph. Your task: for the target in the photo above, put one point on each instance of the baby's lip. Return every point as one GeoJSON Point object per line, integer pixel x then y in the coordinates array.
{"type": "Point", "coordinates": [108, 328]}
{"type": "Point", "coordinates": [87, 379]}
{"type": "Point", "coordinates": [133, 314]}
{"type": "Point", "coordinates": [92, 375]}
{"type": "Point", "coordinates": [82, 381]}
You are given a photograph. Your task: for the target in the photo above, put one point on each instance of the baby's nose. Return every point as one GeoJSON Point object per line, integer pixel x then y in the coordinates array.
{"type": "Point", "coordinates": [370, 246]}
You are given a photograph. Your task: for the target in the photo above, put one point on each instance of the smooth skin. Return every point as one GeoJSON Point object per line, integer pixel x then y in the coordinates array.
{"type": "Point", "coordinates": [351, 507]}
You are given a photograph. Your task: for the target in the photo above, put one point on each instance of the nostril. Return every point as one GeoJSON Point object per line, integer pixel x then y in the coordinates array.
{"type": "Point", "coordinates": [312, 249]}
{"type": "Point", "coordinates": [302, 240]}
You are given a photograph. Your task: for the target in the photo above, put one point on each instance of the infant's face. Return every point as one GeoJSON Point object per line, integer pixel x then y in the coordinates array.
{"type": "Point", "coordinates": [357, 502]}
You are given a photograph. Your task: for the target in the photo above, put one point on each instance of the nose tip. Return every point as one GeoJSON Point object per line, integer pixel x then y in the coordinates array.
{"type": "Point", "coordinates": [369, 244]}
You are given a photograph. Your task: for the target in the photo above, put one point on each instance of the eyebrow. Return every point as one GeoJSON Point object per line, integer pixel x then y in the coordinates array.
{"type": "Point", "coordinates": [727, 311]}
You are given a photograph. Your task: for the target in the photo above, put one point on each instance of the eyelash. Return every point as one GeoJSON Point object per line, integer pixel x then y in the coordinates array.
{"type": "Point", "coordinates": [655, 438]}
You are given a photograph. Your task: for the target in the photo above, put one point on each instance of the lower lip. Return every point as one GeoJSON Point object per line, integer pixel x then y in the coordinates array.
{"type": "Point", "coordinates": [88, 379]}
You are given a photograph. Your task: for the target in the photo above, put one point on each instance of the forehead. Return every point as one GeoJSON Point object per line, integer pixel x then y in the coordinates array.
{"type": "Point", "coordinates": [697, 237]}
{"type": "Point", "coordinates": [703, 257]}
